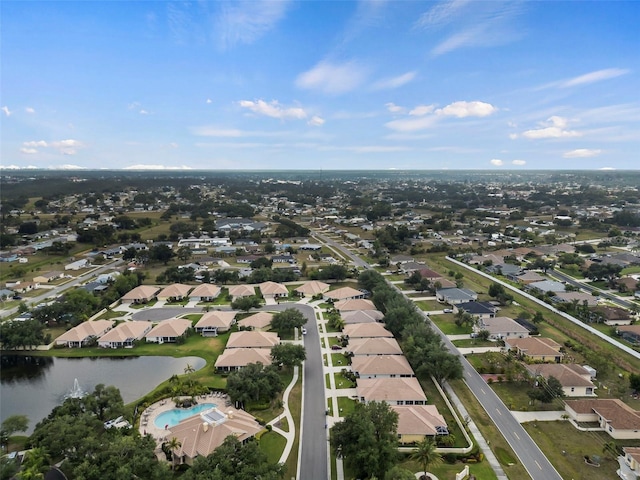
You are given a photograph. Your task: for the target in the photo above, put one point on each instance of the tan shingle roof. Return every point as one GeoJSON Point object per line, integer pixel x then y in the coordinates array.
{"type": "Point", "coordinates": [343, 293]}
{"type": "Point", "coordinates": [241, 357]}
{"type": "Point", "coordinates": [381, 365]}
{"type": "Point", "coordinates": [175, 290]}
{"type": "Point", "coordinates": [568, 374]}
{"type": "Point", "coordinates": [216, 319]}
{"type": "Point", "coordinates": [418, 419]}
{"type": "Point", "coordinates": [273, 288]}
{"type": "Point", "coordinates": [390, 389]}
{"type": "Point", "coordinates": [374, 346]}
{"type": "Point", "coordinates": [620, 415]}
{"type": "Point", "coordinates": [199, 440]}
{"type": "Point", "coordinates": [141, 292]}
{"type": "Point", "coordinates": [173, 327]}
{"type": "Point", "coordinates": [253, 340]}
{"type": "Point", "coordinates": [79, 333]}
{"type": "Point", "coordinates": [205, 290]}
{"type": "Point", "coordinates": [257, 320]}
{"type": "Point", "coordinates": [313, 287]}
{"type": "Point", "coordinates": [241, 291]}
{"type": "Point", "coordinates": [125, 331]}
{"type": "Point", "coordinates": [535, 346]}
{"type": "Point", "coordinates": [362, 316]}
{"type": "Point", "coordinates": [355, 304]}
{"type": "Point", "coordinates": [366, 330]}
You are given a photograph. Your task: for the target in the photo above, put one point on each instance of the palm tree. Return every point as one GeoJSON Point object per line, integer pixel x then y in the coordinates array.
{"type": "Point", "coordinates": [425, 454]}
{"type": "Point", "coordinates": [189, 369]}
{"type": "Point", "coordinates": [173, 445]}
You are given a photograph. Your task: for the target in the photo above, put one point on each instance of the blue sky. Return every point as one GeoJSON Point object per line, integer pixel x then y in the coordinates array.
{"type": "Point", "coordinates": [457, 84]}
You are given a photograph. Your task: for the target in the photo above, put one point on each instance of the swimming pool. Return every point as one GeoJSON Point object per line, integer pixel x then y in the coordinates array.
{"type": "Point", "coordinates": [176, 415]}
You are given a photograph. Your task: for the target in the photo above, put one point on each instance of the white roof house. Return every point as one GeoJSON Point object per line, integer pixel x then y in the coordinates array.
{"type": "Point", "coordinates": [82, 334]}
{"type": "Point", "coordinates": [124, 334]}
{"type": "Point", "coordinates": [212, 323]}
{"type": "Point", "coordinates": [168, 331]}
{"type": "Point", "coordinates": [501, 327]}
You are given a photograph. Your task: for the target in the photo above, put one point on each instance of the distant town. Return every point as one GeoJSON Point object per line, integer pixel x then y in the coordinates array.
{"type": "Point", "coordinates": [357, 324]}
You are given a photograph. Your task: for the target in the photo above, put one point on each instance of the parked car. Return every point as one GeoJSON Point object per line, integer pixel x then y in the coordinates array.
{"type": "Point", "coordinates": [447, 310]}
{"type": "Point", "coordinates": [336, 347]}
{"type": "Point", "coordinates": [303, 330]}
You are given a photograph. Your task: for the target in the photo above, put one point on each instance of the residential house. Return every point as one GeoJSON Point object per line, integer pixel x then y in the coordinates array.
{"type": "Point", "coordinates": [140, 294]}
{"type": "Point", "coordinates": [253, 339]}
{"type": "Point", "coordinates": [410, 267]}
{"type": "Point", "coordinates": [24, 287]}
{"type": "Point", "coordinates": [234, 359]}
{"type": "Point", "coordinates": [579, 297]}
{"type": "Point", "coordinates": [613, 416]}
{"type": "Point", "coordinates": [374, 346]}
{"type": "Point", "coordinates": [631, 333]}
{"type": "Point", "coordinates": [124, 335]}
{"type": "Point", "coordinates": [381, 366]}
{"type": "Point", "coordinates": [436, 278]}
{"type": "Point", "coordinates": [239, 291]}
{"type": "Point", "coordinates": [168, 331]}
{"type": "Point", "coordinates": [477, 309]}
{"type": "Point", "coordinates": [453, 296]}
{"type": "Point", "coordinates": [527, 277]}
{"type": "Point", "coordinates": [401, 259]}
{"type": "Point", "coordinates": [273, 290]}
{"type": "Point", "coordinates": [629, 463]}
{"type": "Point", "coordinates": [535, 349]}
{"type": "Point", "coordinates": [83, 334]}
{"type": "Point", "coordinates": [394, 391]}
{"type": "Point", "coordinates": [546, 286]}
{"type": "Point", "coordinates": [174, 293]}
{"type": "Point", "coordinates": [206, 292]}
{"type": "Point", "coordinates": [501, 327]}
{"type": "Point", "coordinates": [415, 422]}
{"type": "Point", "coordinates": [354, 304]}
{"type": "Point", "coordinates": [366, 330]}
{"type": "Point", "coordinates": [48, 277]}
{"type": "Point", "coordinates": [201, 434]}
{"type": "Point", "coordinates": [575, 379]}
{"type": "Point", "coordinates": [212, 323]}
{"type": "Point", "coordinates": [627, 284]}
{"type": "Point", "coordinates": [344, 293]}
{"type": "Point", "coordinates": [361, 316]}
{"type": "Point", "coordinates": [285, 258]}
{"type": "Point", "coordinates": [78, 264]}
{"type": "Point", "coordinates": [257, 321]}
{"type": "Point", "coordinates": [312, 288]}
{"type": "Point", "coordinates": [613, 315]}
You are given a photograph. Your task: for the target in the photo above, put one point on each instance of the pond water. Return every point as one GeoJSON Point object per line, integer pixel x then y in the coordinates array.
{"type": "Point", "coordinates": [33, 386]}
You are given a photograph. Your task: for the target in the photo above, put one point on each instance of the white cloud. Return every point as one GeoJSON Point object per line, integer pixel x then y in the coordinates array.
{"type": "Point", "coordinates": [316, 121]}
{"type": "Point", "coordinates": [554, 127]}
{"type": "Point", "coordinates": [246, 22]}
{"type": "Point", "coordinates": [28, 151]}
{"type": "Point", "coordinates": [156, 167]}
{"type": "Point", "coordinates": [421, 110]}
{"type": "Point", "coordinates": [143, 112]}
{"type": "Point", "coordinates": [412, 124]}
{"type": "Point", "coordinates": [496, 162]}
{"type": "Point", "coordinates": [29, 110]}
{"type": "Point", "coordinates": [208, 101]}
{"type": "Point", "coordinates": [393, 108]}
{"type": "Point", "coordinates": [273, 109]}
{"type": "Point", "coordinates": [582, 153]}
{"type": "Point", "coordinates": [67, 166]}
{"type": "Point", "coordinates": [35, 143]}
{"type": "Point", "coordinates": [472, 23]}
{"type": "Point", "coordinates": [467, 109]}
{"type": "Point", "coordinates": [6, 111]}
{"type": "Point", "coordinates": [333, 79]}
{"type": "Point", "coordinates": [394, 82]}
{"type": "Point", "coordinates": [173, 145]}
{"type": "Point", "coordinates": [587, 78]}
{"type": "Point", "coordinates": [519, 162]}
{"type": "Point", "coordinates": [424, 116]}
{"type": "Point", "coordinates": [208, 131]}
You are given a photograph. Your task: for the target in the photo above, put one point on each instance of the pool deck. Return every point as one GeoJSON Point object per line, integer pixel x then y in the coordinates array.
{"type": "Point", "coordinates": [149, 415]}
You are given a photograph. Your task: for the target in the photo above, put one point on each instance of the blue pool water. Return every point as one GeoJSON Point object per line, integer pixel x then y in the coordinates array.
{"type": "Point", "coordinates": [176, 415]}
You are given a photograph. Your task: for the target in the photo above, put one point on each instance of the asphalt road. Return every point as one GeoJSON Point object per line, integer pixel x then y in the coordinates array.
{"type": "Point", "coordinates": [585, 286]}
{"type": "Point", "coordinates": [528, 452]}
{"type": "Point", "coordinates": [312, 464]}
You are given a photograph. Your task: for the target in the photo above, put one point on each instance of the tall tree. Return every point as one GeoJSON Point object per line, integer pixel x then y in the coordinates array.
{"type": "Point", "coordinates": [288, 354]}
{"type": "Point", "coordinates": [366, 439]}
{"type": "Point", "coordinates": [287, 320]}
{"type": "Point", "coordinates": [425, 454]}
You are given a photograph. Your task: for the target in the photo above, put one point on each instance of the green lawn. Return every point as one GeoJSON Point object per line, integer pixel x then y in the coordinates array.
{"type": "Point", "coordinates": [474, 342]}
{"type": "Point", "coordinates": [346, 405]}
{"type": "Point", "coordinates": [428, 305]}
{"type": "Point", "coordinates": [447, 324]}
{"type": "Point", "coordinates": [343, 382]}
{"type": "Point", "coordinates": [339, 359]}
{"type": "Point", "coordinates": [566, 447]}
{"type": "Point", "coordinates": [272, 444]}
